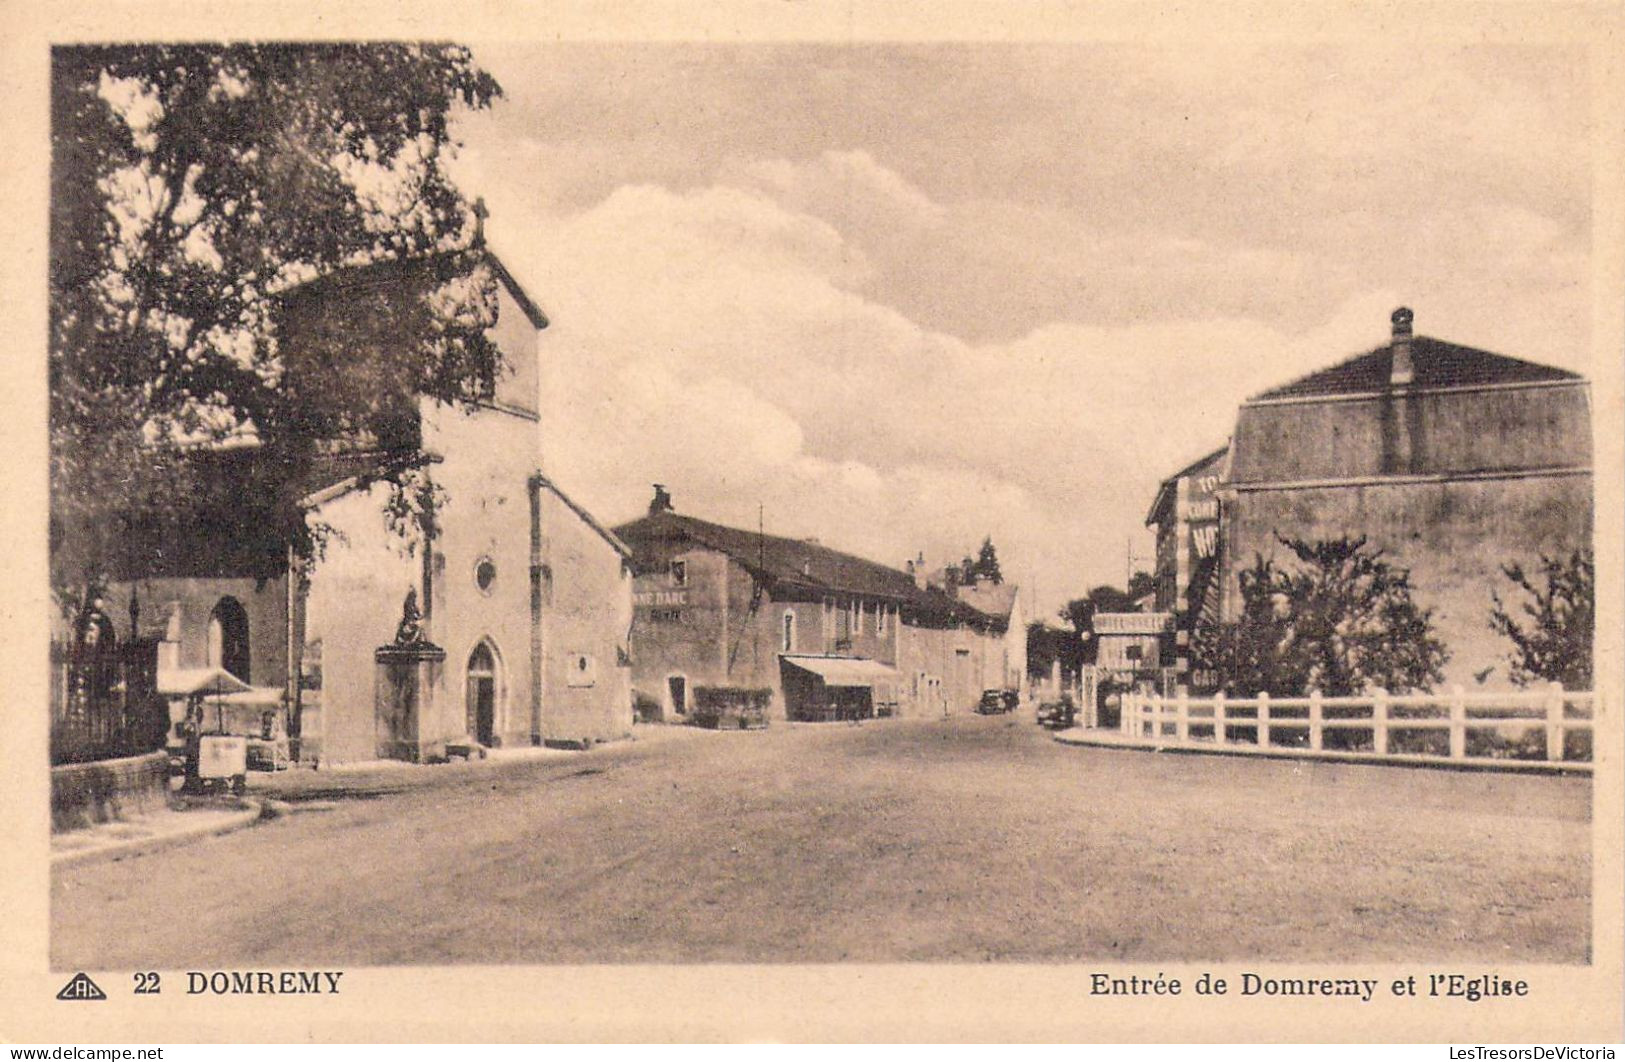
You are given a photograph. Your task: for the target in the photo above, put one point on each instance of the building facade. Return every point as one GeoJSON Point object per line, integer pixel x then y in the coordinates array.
{"type": "Point", "coordinates": [527, 594]}
{"type": "Point", "coordinates": [830, 634]}
{"type": "Point", "coordinates": [1451, 460]}
{"type": "Point", "coordinates": [1186, 517]}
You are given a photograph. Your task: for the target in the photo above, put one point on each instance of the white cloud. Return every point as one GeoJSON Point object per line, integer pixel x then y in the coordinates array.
{"type": "Point", "coordinates": [893, 344]}
{"type": "Point", "coordinates": [845, 186]}
{"type": "Point", "coordinates": [704, 340]}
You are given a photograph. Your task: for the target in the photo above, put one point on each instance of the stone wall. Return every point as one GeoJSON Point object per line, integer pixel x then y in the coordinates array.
{"type": "Point", "coordinates": [1453, 536]}
{"type": "Point", "coordinates": [84, 794]}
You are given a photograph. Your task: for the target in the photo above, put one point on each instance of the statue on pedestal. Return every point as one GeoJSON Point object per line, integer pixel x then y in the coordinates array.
{"type": "Point", "coordinates": [410, 630]}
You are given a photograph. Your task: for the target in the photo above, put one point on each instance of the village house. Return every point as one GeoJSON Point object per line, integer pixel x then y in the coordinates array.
{"type": "Point", "coordinates": [526, 594]}
{"type": "Point", "coordinates": [830, 635]}
{"type": "Point", "coordinates": [1185, 515]}
{"type": "Point", "coordinates": [1451, 460]}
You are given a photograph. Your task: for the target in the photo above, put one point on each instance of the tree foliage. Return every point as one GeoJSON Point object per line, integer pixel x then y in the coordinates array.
{"type": "Point", "coordinates": [1046, 645]}
{"type": "Point", "coordinates": [1556, 643]}
{"type": "Point", "coordinates": [986, 565]}
{"type": "Point", "coordinates": [195, 190]}
{"type": "Point", "coordinates": [1340, 620]}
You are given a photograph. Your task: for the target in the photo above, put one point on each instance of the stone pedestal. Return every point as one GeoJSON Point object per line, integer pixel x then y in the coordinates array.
{"type": "Point", "coordinates": [406, 688]}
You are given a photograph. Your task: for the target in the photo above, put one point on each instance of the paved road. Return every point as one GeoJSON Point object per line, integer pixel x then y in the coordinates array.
{"type": "Point", "coordinates": [971, 840]}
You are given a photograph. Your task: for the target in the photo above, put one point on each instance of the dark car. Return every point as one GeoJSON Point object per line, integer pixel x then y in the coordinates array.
{"type": "Point", "coordinates": [997, 702]}
{"type": "Point", "coordinates": [1057, 715]}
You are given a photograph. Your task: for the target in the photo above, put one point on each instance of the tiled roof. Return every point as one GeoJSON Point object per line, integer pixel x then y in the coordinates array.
{"type": "Point", "coordinates": [991, 599]}
{"type": "Point", "coordinates": [797, 563]}
{"type": "Point", "coordinates": [1437, 364]}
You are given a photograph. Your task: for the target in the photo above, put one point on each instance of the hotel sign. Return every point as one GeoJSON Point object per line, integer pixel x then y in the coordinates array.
{"type": "Point", "coordinates": [1132, 622]}
{"type": "Point", "coordinates": [1202, 517]}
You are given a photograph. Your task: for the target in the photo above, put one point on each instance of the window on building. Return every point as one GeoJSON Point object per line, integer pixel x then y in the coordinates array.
{"type": "Point", "coordinates": [789, 641]}
{"type": "Point", "coordinates": [485, 575]}
{"type": "Point", "coordinates": [580, 670]}
{"type": "Point", "coordinates": [880, 619]}
{"type": "Point", "coordinates": [679, 573]}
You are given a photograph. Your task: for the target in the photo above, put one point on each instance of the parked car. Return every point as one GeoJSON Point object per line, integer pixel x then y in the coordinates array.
{"type": "Point", "coordinates": [1057, 715]}
{"type": "Point", "coordinates": [997, 702]}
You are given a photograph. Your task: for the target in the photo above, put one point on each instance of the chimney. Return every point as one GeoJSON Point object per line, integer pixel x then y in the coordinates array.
{"type": "Point", "coordinates": [1404, 369]}
{"type": "Point", "coordinates": [662, 500]}
{"type": "Point", "coordinates": [480, 214]}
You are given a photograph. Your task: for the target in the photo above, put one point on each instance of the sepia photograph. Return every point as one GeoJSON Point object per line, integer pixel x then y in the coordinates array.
{"type": "Point", "coordinates": [1124, 503]}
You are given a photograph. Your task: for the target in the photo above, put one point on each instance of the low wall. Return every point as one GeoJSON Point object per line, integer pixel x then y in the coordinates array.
{"type": "Point", "coordinates": [83, 794]}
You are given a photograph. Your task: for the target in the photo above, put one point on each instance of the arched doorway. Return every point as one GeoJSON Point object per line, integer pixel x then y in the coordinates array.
{"type": "Point", "coordinates": [482, 693]}
{"type": "Point", "coordinates": [228, 638]}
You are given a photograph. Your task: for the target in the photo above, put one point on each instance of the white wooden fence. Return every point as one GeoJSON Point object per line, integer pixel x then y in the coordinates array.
{"type": "Point", "coordinates": [1283, 724]}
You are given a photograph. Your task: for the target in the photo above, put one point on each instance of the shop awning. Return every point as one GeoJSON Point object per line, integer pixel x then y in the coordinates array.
{"type": "Point", "coordinates": [842, 671]}
{"type": "Point", "coordinates": [184, 681]}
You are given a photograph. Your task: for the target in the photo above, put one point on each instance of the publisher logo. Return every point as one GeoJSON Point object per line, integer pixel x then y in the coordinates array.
{"type": "Point", "coordinates": [81, 987]}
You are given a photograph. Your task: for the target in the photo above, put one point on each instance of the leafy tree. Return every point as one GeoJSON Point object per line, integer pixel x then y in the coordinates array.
{"type": "Point", "coordinates": [195, 190]}
{"type": "Point", "coordinates": [1556, 646]}
{"type": "Point", "coordinates": [1341, 621]}
{"type": "Point", "coordinates": [1046, 644]}
{"type": "Point", "coordinates": [1246, 654]}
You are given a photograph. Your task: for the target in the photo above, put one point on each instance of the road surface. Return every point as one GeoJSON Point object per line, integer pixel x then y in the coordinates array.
{"type": "Point", "coordinates": [977, 839]}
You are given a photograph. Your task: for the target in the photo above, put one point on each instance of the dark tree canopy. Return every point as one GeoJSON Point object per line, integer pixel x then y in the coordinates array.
{"type": "Point", "coordinates": [1555, 645]}
{"type": "Point", "coordinates": [1341, 620]}
{"type": "Point", "coordinates": [986, 565]}
{"type": "Point", "coordinates": [194, 191]}
{"type": "Point", "coordinates": [1046, 644]}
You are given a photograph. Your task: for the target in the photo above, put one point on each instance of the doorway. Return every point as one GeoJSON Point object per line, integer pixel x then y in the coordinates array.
{"type": "Point", "coordinates": [228, 638]}
{"type": "Point", "coordinates": [677, 687]}
{"type": "Point", "coordinates": [482, 694]}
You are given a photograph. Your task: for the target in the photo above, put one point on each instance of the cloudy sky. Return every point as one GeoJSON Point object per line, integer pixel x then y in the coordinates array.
{"type": "Point", "coordinates": [904, 297]}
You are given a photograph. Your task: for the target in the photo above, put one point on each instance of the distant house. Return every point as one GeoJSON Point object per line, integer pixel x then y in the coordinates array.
{"type": "Point", "coordinates": [1453, 461]}
{"type": "Point", "coordinates": [527, 594]}
{"type": "Point", "coordinates": [1003, 602]}
{"type": "Point", "coordinates": [830, 634]}
{"type": "Point", "coordinates": [1185, 514]}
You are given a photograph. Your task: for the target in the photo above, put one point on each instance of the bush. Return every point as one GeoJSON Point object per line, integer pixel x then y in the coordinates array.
{"type": "Point", "coordinates": [730, 707]}
{"type": "Point", "coordinates": [1341, 621]}
{"type": "Point", "coordinates": [646, 709]}
{"type": "Point", "coordinates": [1556, 645]}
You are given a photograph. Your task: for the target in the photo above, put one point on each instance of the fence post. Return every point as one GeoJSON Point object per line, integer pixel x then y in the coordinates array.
{"type": "Point", "coordinates": [1263, 720]}
{"type": "Point", "coordinates": [1315, 736]}
{"type": "Point", "coordinates": [1379, 722]}
{"type": "Point", "coordinates": [1218, 717]}
{"type": "Point", "coordinates": [1458, 723]}
{"type": "Point", "coordinates": [1554, 722]}
{"type": "Point", "coordinates": [1182, 720]}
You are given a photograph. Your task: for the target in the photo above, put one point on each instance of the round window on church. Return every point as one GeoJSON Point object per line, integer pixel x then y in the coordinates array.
{"type": "Point", "coordinates": [485, 575]}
